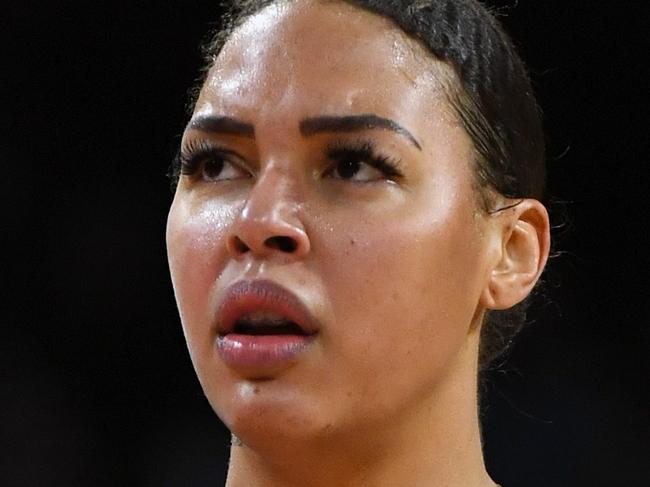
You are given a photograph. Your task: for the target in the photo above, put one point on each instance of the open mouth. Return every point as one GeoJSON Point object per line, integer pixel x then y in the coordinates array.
{"type": "Point", "coordinates": [262, 326]}
{"type": "Point", "coordinates": [263, 308]}
{"type": "Point", "coordinates": [251, 325]}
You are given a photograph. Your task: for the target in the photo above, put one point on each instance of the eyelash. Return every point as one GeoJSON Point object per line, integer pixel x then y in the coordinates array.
{"type": "Point", "coordinates": [191, 156]}
{"type": "Point", "coordinates": [364, 151]}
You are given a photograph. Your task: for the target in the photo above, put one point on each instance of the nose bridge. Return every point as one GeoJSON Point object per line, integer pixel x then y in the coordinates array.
{"type": "Point", "coordinates": [272, 198]}
{"type": "Point", "coordinates": [270, 220]}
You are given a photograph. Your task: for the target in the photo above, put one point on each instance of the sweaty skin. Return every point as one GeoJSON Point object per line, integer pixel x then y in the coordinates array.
{"type": "Point", "coordinates": [395, 269]}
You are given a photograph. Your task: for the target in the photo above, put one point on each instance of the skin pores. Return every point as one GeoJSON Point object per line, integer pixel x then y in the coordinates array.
{"type": "Point", "coordinates": [391, 267]}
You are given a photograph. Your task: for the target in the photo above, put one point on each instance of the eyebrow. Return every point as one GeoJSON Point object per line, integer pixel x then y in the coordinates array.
{"type": "Point", "coordinates": [223, 125]}
{"type": "Point", "coordinates": [308, 126]}
{"type": "Point", "coordinates": [354, 123]}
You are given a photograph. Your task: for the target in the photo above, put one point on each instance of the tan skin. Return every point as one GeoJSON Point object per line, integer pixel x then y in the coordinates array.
{"type": "Point", "coordinates": [398, 269]}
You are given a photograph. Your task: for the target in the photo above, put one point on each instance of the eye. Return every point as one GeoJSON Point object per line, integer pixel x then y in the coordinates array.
{"type": "Point", "coordinates": [360, 163]}
{"type": "Point", "coordinates": [354, 169]}
{"type": "Point", "coordinates": [217, 168]}
{"type": "Point", "coordinates": [210, 163]}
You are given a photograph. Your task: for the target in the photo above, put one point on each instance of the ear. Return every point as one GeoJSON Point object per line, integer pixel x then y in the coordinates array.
{"type": "Point", "coordinates": [524, 232]}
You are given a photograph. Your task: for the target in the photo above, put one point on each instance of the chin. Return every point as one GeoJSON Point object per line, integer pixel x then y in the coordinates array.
{"type": "Point", "coordinates": [269, 415]}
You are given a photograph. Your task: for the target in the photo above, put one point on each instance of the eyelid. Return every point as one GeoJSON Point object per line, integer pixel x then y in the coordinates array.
{"type": "Point", "coordinates": [193, 152]}
{"type": "Point", "coordinates": [197, 147]}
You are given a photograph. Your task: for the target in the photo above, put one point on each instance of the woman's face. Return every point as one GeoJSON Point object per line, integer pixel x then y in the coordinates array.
{"type": "Point", "coordinates": [369, 226]}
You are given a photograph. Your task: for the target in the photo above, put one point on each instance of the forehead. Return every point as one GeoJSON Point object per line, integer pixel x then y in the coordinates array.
{"type": "Point", "coordinates": [322, 57]}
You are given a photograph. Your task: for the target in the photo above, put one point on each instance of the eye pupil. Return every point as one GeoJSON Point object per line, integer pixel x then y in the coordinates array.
{"type": "Point", "coordinates": [212, 168]}
{"type": "Point", "coordinates": [348, 168]}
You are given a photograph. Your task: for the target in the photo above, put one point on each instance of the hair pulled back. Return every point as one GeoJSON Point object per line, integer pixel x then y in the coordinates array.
{"type": "Point", "coordinates": [494, 103]}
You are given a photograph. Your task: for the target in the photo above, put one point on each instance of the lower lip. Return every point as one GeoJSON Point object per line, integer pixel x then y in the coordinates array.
{"type": "Point", "coordinates": [261, 351]}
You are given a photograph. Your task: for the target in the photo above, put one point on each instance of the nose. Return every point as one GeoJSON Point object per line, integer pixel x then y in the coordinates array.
{"type": "Point", "coordinates": [269, 224]}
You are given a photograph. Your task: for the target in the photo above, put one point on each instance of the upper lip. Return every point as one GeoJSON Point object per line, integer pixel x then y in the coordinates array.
{"type": "Point", "coordinates": [249, 296]}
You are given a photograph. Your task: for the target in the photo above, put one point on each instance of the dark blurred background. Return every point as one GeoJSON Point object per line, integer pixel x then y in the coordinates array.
{"type": "Point", "coordinates": [97, 386]}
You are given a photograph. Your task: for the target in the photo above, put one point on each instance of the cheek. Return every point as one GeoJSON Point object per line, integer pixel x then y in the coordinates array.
{"type": "Point", "coordinates": [405, 286]}
{"type": "Point", "coordinates": [196, 251]}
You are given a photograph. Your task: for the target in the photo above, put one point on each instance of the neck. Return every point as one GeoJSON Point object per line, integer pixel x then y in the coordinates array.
{"type": "Point", "coordinates": [437, 443]}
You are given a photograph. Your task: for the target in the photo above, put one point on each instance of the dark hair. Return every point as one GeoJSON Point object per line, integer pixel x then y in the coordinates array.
{"type": "Point", "coordinates": [494, 103]}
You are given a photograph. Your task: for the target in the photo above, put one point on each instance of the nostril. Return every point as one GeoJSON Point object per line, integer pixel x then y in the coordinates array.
{"type": "Point", "coordinates": [283, 244]}
{"type": "Point", "coordinates": [240, 246]}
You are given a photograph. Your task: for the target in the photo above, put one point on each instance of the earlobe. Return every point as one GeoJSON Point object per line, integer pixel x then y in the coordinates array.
{"type": "Point", "coordinates": [524, 248]}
